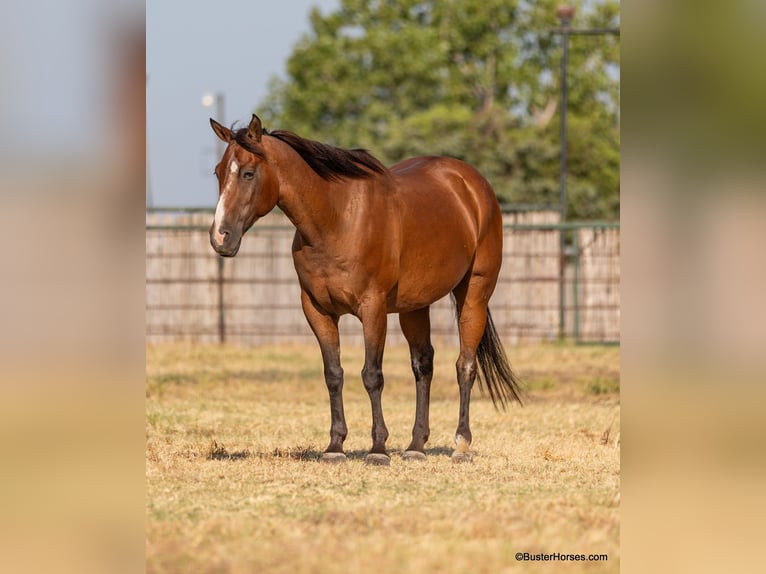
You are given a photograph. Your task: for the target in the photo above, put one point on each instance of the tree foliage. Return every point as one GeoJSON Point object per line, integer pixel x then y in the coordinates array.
{"type": "Point", "coordinates": [473, 79]}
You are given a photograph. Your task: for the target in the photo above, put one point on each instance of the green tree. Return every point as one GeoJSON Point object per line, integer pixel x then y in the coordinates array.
{"type": "Point", "coordinates": [473, 79]}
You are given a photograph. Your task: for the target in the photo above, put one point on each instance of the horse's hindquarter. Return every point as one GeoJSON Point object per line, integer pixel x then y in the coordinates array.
{"type": "Point", "coordinates": [447, 210]}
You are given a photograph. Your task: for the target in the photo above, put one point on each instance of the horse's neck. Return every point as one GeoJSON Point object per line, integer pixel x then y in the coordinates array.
{"type": "Point", "coordinates": [309, 202]}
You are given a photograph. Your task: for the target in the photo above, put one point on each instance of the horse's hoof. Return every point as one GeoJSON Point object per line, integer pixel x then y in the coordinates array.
{"type": "Point", "coordinates": [333, 457]}
{"type": "Point", "coordinates": [461, 457]}
{"type": "Point", "coordinates": [377, 459]}
{"type": "Point", "coordinates": [413, 455]}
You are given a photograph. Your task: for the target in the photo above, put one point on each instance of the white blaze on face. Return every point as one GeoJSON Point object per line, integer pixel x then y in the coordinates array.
{"type": "Point", "coordinates": [220, 209]}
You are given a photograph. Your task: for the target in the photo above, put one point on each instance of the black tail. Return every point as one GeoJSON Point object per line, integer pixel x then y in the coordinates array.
{"type": "Point", "coordinates": [494, 371]}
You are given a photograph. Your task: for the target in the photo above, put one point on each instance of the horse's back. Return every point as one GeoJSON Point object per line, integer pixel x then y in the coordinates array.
{"type": "Point", "coordinates": [445, 189]}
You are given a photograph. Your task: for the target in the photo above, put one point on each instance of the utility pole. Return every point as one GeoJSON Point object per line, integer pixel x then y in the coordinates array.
{"type": "Point", "coordinates": [209, 100]}
{"type": "Point", "coordinates": [565, 14]}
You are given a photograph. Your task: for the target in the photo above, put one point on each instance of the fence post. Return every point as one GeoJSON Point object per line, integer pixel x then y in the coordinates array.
{"type": "Point", "coordinates": [221, 311]}
{"type": "Point", "coordinates": [576, 285]}
{"type": "Point", "coordinates": [562, 282]}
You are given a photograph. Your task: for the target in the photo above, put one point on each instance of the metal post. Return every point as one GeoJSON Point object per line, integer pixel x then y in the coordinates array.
{"type": "Point", "coordinates": [220, 113]}
{"type": "Point", "coordinates": [565, 14]}
{"type": "Point", "coordinates": [207, 101]}
{"type": "Point", "coordinates": [221, 309]}
{"type": "Point", "coordinates": [149, 196]}
{"type": "Point", "coordinates": [564, 94]}
{"type": "Point", "coordinates": [576, 285]}
{"type": "Point", "coordinates": [219, 104]}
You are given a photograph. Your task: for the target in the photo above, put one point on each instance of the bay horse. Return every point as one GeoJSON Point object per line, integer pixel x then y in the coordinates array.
{"type": "Point", "coordinates": [369, 241]}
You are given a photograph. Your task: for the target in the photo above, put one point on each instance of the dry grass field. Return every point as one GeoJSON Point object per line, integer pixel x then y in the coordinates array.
{"type": "Point", "coordinates": [234, 485]}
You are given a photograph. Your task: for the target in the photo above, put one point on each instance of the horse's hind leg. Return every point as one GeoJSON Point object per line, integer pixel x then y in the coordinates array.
{"type": "Point", "coordinates": [325, 327]}
{"type": "Point", "coordinates": [472, 299]}
{"type": "Point", "coordinates": [416, 327]}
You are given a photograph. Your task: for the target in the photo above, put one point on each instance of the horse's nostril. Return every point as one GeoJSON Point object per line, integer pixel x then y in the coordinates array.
{"type": "Point", "coordinates": [223, 233]}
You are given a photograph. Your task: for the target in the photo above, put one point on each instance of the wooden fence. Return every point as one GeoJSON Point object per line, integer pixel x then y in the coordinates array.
{"type": "Point", "coordinates": [254, 298]}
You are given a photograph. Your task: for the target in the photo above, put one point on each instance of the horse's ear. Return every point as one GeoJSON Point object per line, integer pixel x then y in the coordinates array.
{"type": "Point", "coordinates": [222, 132]}
{"type": "Point", "coordinates": [255, 129]}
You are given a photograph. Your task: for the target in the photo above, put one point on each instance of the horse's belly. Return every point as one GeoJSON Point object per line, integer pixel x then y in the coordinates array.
{"type": "Point", "coordinates": [404, 303]}
{"type": "Point", "coordinates": [426, 283]}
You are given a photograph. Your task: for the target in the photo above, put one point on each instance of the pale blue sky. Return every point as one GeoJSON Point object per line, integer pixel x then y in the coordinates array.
{"type": "Point", "coordinates": [228, 46]}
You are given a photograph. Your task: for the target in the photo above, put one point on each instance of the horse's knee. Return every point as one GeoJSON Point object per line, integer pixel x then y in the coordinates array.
{"type": "Point", "coordinates": [333, 376]}
{"type": "Point", "coordinates": [372, 377]}
{"type": "Point", "coordinates": [423, 362]}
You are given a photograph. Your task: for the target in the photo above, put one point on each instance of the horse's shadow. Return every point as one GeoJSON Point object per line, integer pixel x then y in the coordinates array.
{"type": "Point", "coordinates": [439, 451]}
{"type": "Point", "coordinates": [313, 454]}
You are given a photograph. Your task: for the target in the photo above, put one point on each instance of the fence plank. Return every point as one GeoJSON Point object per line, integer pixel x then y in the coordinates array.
{"type": "Point", "coordinates": [600, 284]}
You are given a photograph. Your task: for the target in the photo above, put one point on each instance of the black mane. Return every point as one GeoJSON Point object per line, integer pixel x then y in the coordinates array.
{"type": "Point", "coordinates": [329, 162]}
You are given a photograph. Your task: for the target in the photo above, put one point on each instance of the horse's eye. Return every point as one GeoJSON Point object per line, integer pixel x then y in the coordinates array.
{"type": "Point", "coordinates": [248, 174]}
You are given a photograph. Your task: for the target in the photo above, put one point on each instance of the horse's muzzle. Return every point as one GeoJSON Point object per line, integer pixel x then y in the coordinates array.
{"type": "Point", "coordinates": [225, 243]}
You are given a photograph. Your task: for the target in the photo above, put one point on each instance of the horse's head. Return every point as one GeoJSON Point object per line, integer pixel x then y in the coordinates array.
{"type": "Point", "coordinates": [247, 186]}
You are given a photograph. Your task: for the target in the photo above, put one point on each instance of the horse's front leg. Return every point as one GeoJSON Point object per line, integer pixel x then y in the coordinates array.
{"type": "Point", "coordinates": [416, 327]}
{"type": "Point", "coordinates": [373, 317]}
{"type": "Point", "coordinates": [325, 328]}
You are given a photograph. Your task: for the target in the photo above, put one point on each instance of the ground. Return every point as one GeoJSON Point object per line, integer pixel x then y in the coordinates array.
{"type": "Point", "coordinates": [234, 485]}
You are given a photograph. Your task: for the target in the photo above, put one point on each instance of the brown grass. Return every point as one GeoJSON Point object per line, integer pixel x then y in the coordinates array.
{"type": "Point", "coordinates": [233, 482]}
